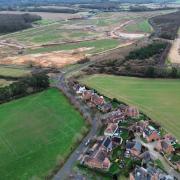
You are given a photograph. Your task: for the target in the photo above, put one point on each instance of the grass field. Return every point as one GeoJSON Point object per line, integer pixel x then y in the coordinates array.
{"type": "Point", "coordinates": [35, 132]}
{"type": "Point", "coordinates": [142, 26]}
{"type": "Point", "coordinates": [13, 72]}
{"type": "Point", "coordinates": [159, 98]}
{"type": "Point", "coordinates": [97, 45]}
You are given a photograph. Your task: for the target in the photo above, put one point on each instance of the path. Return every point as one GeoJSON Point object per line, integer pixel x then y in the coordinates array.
{"type": "Point", "coordinates": [174, 54]}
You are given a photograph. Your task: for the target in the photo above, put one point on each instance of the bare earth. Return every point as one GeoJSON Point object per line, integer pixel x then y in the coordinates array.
{"type": "Point", "coordinates": [174, 54]}
{"type": "Point", "coordinates": [53, 59]}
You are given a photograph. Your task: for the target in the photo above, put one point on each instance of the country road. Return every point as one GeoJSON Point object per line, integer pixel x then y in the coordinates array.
{"type": "Point", "coordinates": [64, 172]}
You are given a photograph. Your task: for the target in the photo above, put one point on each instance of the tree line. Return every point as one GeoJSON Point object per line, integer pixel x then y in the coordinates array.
{"type": "Point", "coordinates": [15, 22]}
{"type": "Point", "coordinates": [23, 87]}
{"type": "Point", "coordinates": [147, 52]}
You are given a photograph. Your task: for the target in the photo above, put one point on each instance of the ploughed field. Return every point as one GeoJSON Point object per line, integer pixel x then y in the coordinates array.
{"type": "Point", "coordinates": [158, 98]}
{"type": "Point", "coordinates": [36, 133]}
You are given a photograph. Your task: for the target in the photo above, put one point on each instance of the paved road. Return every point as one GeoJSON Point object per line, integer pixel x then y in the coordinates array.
{"type": "Point", "coordinates": [66, 169]}
{"type": "Point", "coordinates": [64, 172]}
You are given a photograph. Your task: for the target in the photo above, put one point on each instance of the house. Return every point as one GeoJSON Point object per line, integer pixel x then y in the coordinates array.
{"type": "Point", "coordinates": [111, 129]}
{"type": "Point", "coordinates": [116, 141]}
{"type": "Point", "coordinates": [80, 90]}
{"type": "Point", "coordinates": [107, 144]}
{"type": "Point", "coordinates": [99, 154]}
{"type": "Point", "coordinates": [150, 134]}
{"type": "Point", "coordinates": [87, 94]}
{"type": "Point", "coordinates": [139, 127]}
{"type": "Point", "coordinates": [97, 100]}
{"type": "Point", "coordinates": [107, 107]}
{"type": "Point", "coordinates": [98, 160]}
{"type": "Point", "coordinates": [164, 146]}
{"type": "Point", "coordinates": [113, 117]}
{"type": "Point", "coordinates": [134, 148]}
{"type": "Point", "coordinates": [170, 138]}
{"type": "Point", "coordinates": [132, 111]}
{"type": "Point", "coordinates": [149, 173]}
{"type": "Point", "coordinates": [146, 157]}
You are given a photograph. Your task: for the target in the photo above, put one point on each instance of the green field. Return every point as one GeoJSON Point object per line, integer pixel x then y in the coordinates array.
{"type": "Point", "coordinates": [142, 26]}
{"type": "Point", "coordinates": [97, 45]}
{"type": "Point", "coordinates": [36, 132]}
{"type": "Point", "coordinates": [13, 72]}
{"type": "Point", "coordinates": [159, 98]}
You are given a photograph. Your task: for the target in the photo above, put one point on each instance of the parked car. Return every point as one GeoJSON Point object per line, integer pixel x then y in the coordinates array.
{"type": "Point", "coordinates": [87, 142]}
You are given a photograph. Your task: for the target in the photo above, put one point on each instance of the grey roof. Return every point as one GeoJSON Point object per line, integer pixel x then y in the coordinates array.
{"type": "Point", "coordinates": [107, 143]}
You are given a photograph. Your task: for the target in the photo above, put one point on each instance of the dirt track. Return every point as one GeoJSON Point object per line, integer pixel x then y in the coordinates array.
{"type": "Point", "coordinates": [174, 54]}
{"type": "Point", "coordinates": [54, 59]}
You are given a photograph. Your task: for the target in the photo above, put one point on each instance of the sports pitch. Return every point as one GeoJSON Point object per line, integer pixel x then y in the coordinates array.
{"type": "Point", "coordinates": [36, 132]}
{"type": "Point", "coordinates": [158, 98]}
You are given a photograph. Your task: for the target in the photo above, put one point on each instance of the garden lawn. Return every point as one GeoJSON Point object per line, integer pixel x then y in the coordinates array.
{"type": "Point", "coordinates": [158, 98]}
{"type": "Point", "coordinates": [36, 132]}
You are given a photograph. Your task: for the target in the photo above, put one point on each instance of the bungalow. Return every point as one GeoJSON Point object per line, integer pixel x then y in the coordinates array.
{"type": "Point", "coordinates": [113, 117]}
{"type": "Point", "coordinates": [150, 134]}
{"type": "Point", "coordinates": [165, 146]}
{"type": "Point", "coordinates": [111, 129]}
{"type": "Point", "coordinates": [134, 148]}
{"type": "Point", "coordinates": [97, 100]}
{"type": "Point", "coordinates": [149, 173]}
{"type": "Point", "coordinates": [132, 111]}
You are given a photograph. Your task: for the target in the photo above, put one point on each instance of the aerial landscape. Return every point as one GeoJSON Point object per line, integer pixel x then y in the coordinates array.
{"type": "Point", "coordinates": [90, 90]}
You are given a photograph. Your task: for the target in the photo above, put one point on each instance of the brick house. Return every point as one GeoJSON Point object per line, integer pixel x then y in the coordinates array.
{"type": "Point", "coordinates": [165, 146]}
{"type": "Point", "coordinates": [111, 129]}
{"type": "Point", "coordinates": [107, 107]}
{"type": "Point", "coordinates": [97, 100]}
{"type": "Point", "coordinates": [139, 127]}
{"type": "Point", "coordinates": [98, 160]}
{"type": "Point", "coordinates": [113, 117]}
{"type": "Point", "coordinates": [134, 148]}
{"type": "Point", "coordinates": [132, 111]}
{"type": "Point", "coordinates": [149, 173]}
{"type": "Point", "coordinates": [86, 95]}
{"type": "Point", "coordinates": [99, 154]}
{"type": "Point", "coordinates": [150, 134]}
